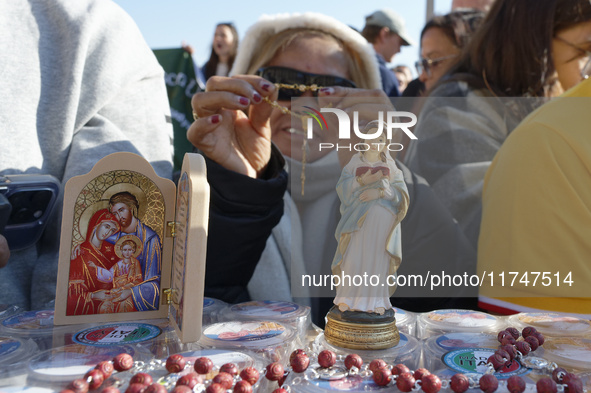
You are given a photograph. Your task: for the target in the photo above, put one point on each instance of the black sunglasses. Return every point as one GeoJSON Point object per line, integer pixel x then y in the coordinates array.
{"type": "Point", "coordinates": [290, 76]}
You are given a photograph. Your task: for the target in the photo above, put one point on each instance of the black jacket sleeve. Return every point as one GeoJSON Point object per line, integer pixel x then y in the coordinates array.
{"type": "Point", "coordinates": [243, 211]}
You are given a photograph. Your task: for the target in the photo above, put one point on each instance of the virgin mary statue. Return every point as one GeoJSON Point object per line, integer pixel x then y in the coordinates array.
{"type": "Point", "coordinates": [374, 200]}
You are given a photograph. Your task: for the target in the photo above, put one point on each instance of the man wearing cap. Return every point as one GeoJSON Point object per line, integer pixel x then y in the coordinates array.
{"type": "Point", "coordinates": [385, 30]}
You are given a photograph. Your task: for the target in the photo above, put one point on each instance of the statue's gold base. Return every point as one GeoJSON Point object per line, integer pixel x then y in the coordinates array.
{"type": "Point", "coordinates": [363, 335]}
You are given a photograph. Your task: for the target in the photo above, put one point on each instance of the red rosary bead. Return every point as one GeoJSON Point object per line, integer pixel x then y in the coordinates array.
{"type": "Point", "coordinates": [420, 373]}
{"type": "Point", "coordinates": [203, 365]}
{"type": "Point", "coordinates": [523, 347]}
{"type": "Point", "coordinates": [504, 354]}
{"type": "Point", "coordinates": [250, 375]}
{"type": "Point", "coordinates": [508, 340]}
{"type": "Point", "coordinates": [215, 388]}
{"type": "Point", "coordinates": [528, 331]}
{"type": "Point", "coordinates": [242, 387]}
{"type": "Point", "coordinates": [382, 376]}
{"type": "Point", "coordinates": [502, 334]}
{"type": "Point", "coordinates": [533, 342]}
{"type": "Point", "coordinates": [431, 383]}
{"type": "Point", "coordinates": [399, 369]}
{"type": "Point", "coordinates": [488, 383]}
{"type": "Point", "coordinates": [79, 386]}
{"type": "Point", "coordinates": [279, 390]}
{"type": "Point", "coordinates": [327, 358]}
{"type": "Point", "coordinates": [143, 378]}
{"type": "Point", "coordinates": [135, 388]}
{"type": "Point", "coordinates": [297, 352]}
{"type": "Point", "coordinates": [229, 368]}
{"type": "Point", "coordinates": [376, 364]}
{"type": "Point", "coordinates": [515, 384]}
{"type": "Point", "coordinates": [191, 380]}
{"type": "Point", "coordinates": [156, 388]}
{"type": "Point", "coordinates": [106, 368]}
{"type": "Point", "coordinates": [182, 389]}
{"type": "Point", "coordinates": [573, 383]}
{"type": "Point", "coordinates": [514, 332]}
{"type": "Point", "coordinates": [224, 379]}
{"type": "Point", "coordinates": [405, 382]}
{"type": "Point", "coordinates": [459, 383]}
{"type": "Point", "coordinates": [123, 362]}
{"type": "Point", "coordinates": [510, 349]}
{"type": "Point", "coordinates": [175, 363]}
{"type": "Point", "coordinates": [546, 385]}
{"type": "Point", "coordinates": [299, 363]}
{"type": "Point", "coordinates": [558, 374]}
{"type": "Point", "coordinates": [110, 389]}
{"type": "Point", "coordinates": [353, 360]}
{"type": "Point", "coordinates": [540, 337]}
{"type": "Point", "coordinates": [497, 361]}
{"type": "Point", "coordinates": [274, 371]}
{"type": "Point", "coordinates": [96, 378]}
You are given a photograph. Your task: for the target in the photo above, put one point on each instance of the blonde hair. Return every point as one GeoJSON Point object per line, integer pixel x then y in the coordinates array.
{"type": "Point", "coordinates": [285, 38]}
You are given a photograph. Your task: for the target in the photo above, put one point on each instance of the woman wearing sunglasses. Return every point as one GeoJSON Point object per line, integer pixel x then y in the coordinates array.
{"type": "Point", "coordinates": [239, 119]}
{"type": "Point", "coordinates": [523, 48]}
{"type": "Point", "coordinates": [442, 39]}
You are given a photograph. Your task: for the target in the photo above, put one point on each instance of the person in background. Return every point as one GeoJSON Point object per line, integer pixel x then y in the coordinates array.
{"type": "Point", "coordinates": [386, 31]}
{"type": "Point", "coordinates": [248, 174]}
{"type": "Point", "coordinates": [404, 75]}
{"type": "Point", "coordinates": [442, 40]}
{"type": "Point", "coordinates": [223, 51]}
{"type": "Point", "coordinates": [514, 53]}
{"type": "Point", "coordinates": [536, 202]}
{"type": "Point", "coordinates": [80, 83]}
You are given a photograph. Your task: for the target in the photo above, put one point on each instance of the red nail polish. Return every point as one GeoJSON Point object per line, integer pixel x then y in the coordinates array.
{"type": "Point", "coordinates": [327, 90]}
{"type": "Point", "coordinates": [215, 119]}
{"type": "Point", "coordinates": [266, 87]}
{"type": "Point", "coordinates": [256, 97]}
{"type": "Point", "coordinates": [244, 101]}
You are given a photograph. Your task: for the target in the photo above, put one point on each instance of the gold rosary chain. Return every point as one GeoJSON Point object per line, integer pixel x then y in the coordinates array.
{"type": "Point", "coordinates": [300, 87]}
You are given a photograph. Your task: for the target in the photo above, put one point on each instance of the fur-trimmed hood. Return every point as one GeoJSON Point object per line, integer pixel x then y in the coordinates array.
{"type": "Point", "coordinates": [270, 25]}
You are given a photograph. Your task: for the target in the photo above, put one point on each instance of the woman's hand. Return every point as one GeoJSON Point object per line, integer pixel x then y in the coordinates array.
{"type": "Point", "coordinates": [369, 195]}
{"type": "Point", "coordinates": [224, 132]}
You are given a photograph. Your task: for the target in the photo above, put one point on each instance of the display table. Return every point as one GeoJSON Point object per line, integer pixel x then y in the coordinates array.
{"type": "Point", "coordinates": [36, 356]}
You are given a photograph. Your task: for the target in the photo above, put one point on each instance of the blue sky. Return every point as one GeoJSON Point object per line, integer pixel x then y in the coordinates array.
{"type": "Point", "coordinates": [167, 24]}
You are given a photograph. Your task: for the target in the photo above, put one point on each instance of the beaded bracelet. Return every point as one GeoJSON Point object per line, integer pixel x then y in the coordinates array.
{"type": "Point", "coordinates": [299, 371]}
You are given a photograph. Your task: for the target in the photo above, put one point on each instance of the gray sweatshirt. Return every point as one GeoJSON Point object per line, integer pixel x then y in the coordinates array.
{"type": "Point", "coordinates": [77, 82]}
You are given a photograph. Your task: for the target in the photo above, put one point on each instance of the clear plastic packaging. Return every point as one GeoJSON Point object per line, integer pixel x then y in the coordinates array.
{"type": "Point", "coordinates": [443, 321]}
{"type": "Point", "coordinates": [64, 364]}
{"type": "Point", "coordinates": [211, 310]}
{"type": "Point", "coordinates": [14, 356]}
{"type": "Point", "coordinates": [572, 353]}
{"type": "Point", "coordinates": [406, 321]}
{"type": "Point", "coordinates": [434, 348]}
{"type": "Point", "coordinates": [36, 325]}
{"type": "Point", "coordinates": [288, 314]}
{"type": "Point", "coordinates": [552, 324]}
{"type": "Point", "coordinates": [269, 339]}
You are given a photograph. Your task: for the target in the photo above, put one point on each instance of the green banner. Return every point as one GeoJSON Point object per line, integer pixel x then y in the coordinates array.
{"type": "Point", "coordinates": [181, 84]}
